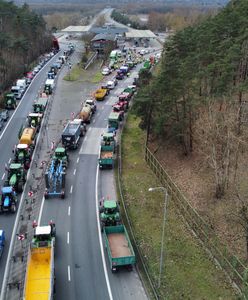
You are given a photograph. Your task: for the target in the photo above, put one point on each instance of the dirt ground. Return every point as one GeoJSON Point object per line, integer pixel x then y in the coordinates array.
{"type": "Point", "coordinates": [195, 179]}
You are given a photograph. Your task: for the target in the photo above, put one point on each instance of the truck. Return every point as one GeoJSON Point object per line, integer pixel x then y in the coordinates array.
{"type": "Point", "coordinates": [21, 83]}
{"type": "Point", "coordinates": [71, 135]}
{"type": "Point", "coordinates": [101, 93]}
{"type": "Point", "coordinates": [40, 272]}
{"type": "Point", "coordinates": [2, 241]}
{"type": "Point", "coordinates": [119, 248]}
{"type": "Point", "coordinates": [109, 213]}
{"type": "Point", "coordinates": [86, 113]}
{"type": "Point", "coordinates": [39, 105]}
{"type": "Point", "coordinates": [8, 200]}
{"type": "Point", "coordinates": [114, 119]}
{"type": "Point", "coordinates": [10, 101]}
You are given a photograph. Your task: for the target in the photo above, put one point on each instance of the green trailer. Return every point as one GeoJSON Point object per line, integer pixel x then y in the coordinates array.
{"type": "Point", "coordinates": [119, 248]}
{"type": "Point", "coordinates": [114, 120]}
{"type": "Point", "coordinates": [106, 157]}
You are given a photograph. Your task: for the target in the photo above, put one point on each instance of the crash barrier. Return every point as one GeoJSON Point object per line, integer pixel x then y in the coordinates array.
{"type": "Point", "coordinates": [233, 267]}
{"type": "Point", "coordinates": [141, 264]}
{"type": "Point", "coordinates": [90, 60]}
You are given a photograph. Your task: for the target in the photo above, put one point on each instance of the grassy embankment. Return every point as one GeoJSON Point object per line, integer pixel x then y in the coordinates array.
{"type": "Point", "coordinates": [188, 273]}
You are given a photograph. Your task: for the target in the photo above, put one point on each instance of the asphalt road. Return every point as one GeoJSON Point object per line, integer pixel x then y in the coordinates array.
{"type": "Point", "coordinates": [81, 265]}
{"type": "Point", "coordinates": [8, 138]}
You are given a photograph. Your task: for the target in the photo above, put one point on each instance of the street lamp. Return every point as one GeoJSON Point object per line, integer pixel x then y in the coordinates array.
{"type": "Point", "coordinates": [163, 230]}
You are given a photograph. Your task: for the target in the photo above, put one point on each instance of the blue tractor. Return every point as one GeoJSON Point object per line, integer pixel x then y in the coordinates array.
{"type": "Point", "coordinates": [2, 241]}
{"type": "Point", "coordinates": [8, 200]}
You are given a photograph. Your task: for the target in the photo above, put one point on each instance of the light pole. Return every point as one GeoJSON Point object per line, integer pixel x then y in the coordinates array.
{"type": "Point", "coordinates": [163, 228]}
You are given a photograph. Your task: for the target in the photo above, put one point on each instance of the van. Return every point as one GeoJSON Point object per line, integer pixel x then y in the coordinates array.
{"type": "Point", "coordinates": [17, 91]}
{"type": "Point", "coordinates": [22, 83]}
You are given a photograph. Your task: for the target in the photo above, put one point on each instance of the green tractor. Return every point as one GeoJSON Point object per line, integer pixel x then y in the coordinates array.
{"type": "Point", "coordinates": [39, 105]}
{"type": "Point", "coordinates": [108, 139]}
{"type": "Point", "coordinates": [10, 101]}
{"type": "Point", "coordinates": [16, 177]}
{"type": "Point", "coordinates": [34, 120]}
{"type": "Point", "coordinates": [23, 154]}
{"type": "Point", "coordinates": [61, 155]}
{"type": "Point", "coordinates": [109, 213]}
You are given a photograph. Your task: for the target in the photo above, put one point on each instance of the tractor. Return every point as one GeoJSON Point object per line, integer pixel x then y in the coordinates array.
{"type": "Point", "coordinates": [34, 120]}
{"type": "Point", "coordinates": [16, 177]}
{"type": "Point", "coordinates": [10, 101]}
{"type": "Point", "coordinates": [23, 154]}
{"type": "Point", "coordinates": [8, 200]}
{"type": "Point", "coordinates": [109, 213]}
{"type": "Point", "coordinates": [61, 155]}
{"type": "Point", "coordinates": [108, 139]}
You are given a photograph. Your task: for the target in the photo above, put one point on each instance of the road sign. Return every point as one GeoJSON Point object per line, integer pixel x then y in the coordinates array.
{"type": "Point", "coordinates": [21, 237]}
{"type": "Point", "coordinates": [52, 145]}
{"type": "Point", "coordinates": [30, 193]}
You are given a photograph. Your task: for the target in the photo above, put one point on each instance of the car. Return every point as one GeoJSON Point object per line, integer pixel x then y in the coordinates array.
{"type": "Point", "coordinates": [111, 84]}
{"type": "Point", "coordinates": [119, 75]}
{"type": "Point", "coordinates": [36, 70]}
{"type": "Point", "coordinates": [106, 71]}
{"type": "Point", "coordinates": [142, 52]}
{"type": "Point", "coordinates": [114, 80]}
{"type": "Point", "coordinates": [4, 115]}
{"type": "Point", "coordinates": [58, 64]}
{"type": "Point", "coordinates": [30, 75]}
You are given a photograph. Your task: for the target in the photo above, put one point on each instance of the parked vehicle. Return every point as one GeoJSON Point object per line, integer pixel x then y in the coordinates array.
{"type": "Point", "coordinates": [92, 104]}
{"type": "Point", "coordinates": [16, 177]}
{"type": "Point", "coordinates": [111, 84]}
{"type": "Point", "coordinates": [28, 136]}
{"type": "Point", "coordinates": [40, 274]}
{"type": "Point", "coordinates": [49, 86]}
{"type": "Point", "coordinates": [106, 71]}
{"type": "Point", "coordinates": [23, 155]}
{"type": "Point", "coordinates": [39, 105]}
{"type": "Point", "coordinates": [119, 248]}
{"type": "Point", "coordinates": [114, 120]}
{"type": "Point", "coordinates": [100, 94]}
{"type": "Point", "coordinates": [34, 120]}
{"type": "Point", "coordinates": [2, 241]}
{"type": "Point", "coordinates": [119, 75]}
{"type": "Point", "coordinates": [4, 114]}
{"type": "Point", "coordinates": [106, 157]}
{"type": "Point", "coordinates": [22, 83]}
{"type": "Point", "coordinates": [8, 200]}
{"type": "Point", "coordinates": [109, 213]}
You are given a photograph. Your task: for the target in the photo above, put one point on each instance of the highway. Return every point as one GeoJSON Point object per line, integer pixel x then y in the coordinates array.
{"type": "Point", "coordinates": [82, 270]}
{"type": "Point", "coordinates": [8, 138]}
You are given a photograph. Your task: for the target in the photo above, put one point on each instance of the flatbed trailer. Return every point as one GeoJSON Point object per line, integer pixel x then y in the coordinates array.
{"type": "Point", "coordinates": [119, 248]}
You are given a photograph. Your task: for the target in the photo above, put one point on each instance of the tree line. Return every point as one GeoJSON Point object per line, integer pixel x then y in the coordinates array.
{"type": "Point", "coordinates": [23, 38]}
{"type": "Point", "coordinates": [197, 99]}
{"type": "Point", "coordinates": [124, 19]}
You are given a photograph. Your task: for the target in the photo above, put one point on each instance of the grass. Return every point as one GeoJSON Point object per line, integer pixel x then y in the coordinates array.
{"type": "Point", "coordinates": [188, 273]}
{"type": "Point", "coordinates": [97, 77]}
{"type": "Point", "coordinates": [75, 73]}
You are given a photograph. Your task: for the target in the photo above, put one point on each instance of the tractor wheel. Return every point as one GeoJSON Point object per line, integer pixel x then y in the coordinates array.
{"type": "Point", "coordinates": [46, 196]}
{"type": "Point", "coordinates": [20, 186]}
{"type": "Point", "coordinates": [63, 195]}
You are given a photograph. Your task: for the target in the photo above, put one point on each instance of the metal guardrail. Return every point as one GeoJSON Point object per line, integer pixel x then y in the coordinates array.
{"type": "Point", "coordinates": [233, 267]}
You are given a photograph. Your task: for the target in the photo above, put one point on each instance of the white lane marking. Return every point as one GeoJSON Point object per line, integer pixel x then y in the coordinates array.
{"type": "Point", "coordinates": [94, 121]}
{"type": "Point", "coordinates": [3, 176]}
{"type": "Point", "coordinates": [69, 211]}
{"type": "Point", "coordinates": [68, 237]}
{"type": "Point", "coordinates": [74, 172]}
{"type": "Point", "coordinates": [85, 138]}
{"type": "Point", "coordinates": [9, 160]}
{"type": "Point", "coordinates": [71, 189]}
{"type": "Point", "coordinates": [100, 238]}
{"type": "Point", "coordinates": [77, 160]}
{"type": "Point", "coordinates": [69, 273]}
{"type": "Point", "coordinates": [41, 209]}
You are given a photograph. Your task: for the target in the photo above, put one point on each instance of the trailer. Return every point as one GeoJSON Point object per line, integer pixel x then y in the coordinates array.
{"type": "Point", "coordinates": [106, 157]}
{"type": "Point", "coordinates": [40, 277]}
{"type": "Point", "coordinates": [119, 248]}
{"type": "Point", "coordinates": [55, 179]}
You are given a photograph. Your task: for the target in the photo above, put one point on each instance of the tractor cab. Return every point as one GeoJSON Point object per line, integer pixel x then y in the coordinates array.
{"type": "Point", "coordinates": [23, 155]}
{"type": "Point", "coordinates": [114, 119]}
{"type": "Point", "coordinates": [43, 236]}
{"type": "Point", "coordinates": [34, 120]}
{"type": "Point", "coordinates": [10, 101]}
{"type": "Point", "coordinates": [16, 177]}
{"type": "Point", "coordinates": [110, 215]}
{"type": "Point", "coordinates": [108, 139]}
{"type": "Point", "coordinates": [61, 155]}
{"type": "Point", "coordinates": [40, 105]}
{"type": "Point", "coordinates": [8, 200]}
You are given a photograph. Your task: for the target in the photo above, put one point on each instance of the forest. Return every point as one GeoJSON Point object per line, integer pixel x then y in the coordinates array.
{"type": "Point", "coordinates": [196, 100]}
{"type": "Point", "coordinates": [23, 38]}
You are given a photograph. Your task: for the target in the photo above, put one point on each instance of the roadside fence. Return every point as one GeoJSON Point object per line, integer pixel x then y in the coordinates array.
{"type": "Point", "coordinates": [233, 267]}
